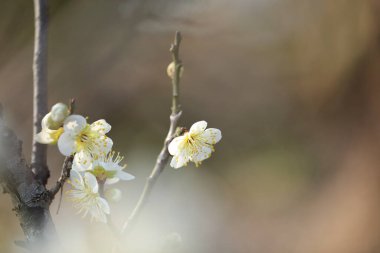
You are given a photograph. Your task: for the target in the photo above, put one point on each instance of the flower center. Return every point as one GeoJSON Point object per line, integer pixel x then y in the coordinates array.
{"type": "Point", "coordinates": [101, 174]}
{"type": "Point", "coordinates": [86, 140]}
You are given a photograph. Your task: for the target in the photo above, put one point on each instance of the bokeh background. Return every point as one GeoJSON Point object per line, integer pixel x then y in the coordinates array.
{"type": "Point", "coordinates": [292, 84]}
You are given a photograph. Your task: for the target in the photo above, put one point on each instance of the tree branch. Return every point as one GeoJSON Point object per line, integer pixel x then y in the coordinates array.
{"type": "Point", "coordinates": [38, 160]}
{"type": "Point", "coordinates": [163, 157]}
{"type": "Point", "coordinates": [29, 196]}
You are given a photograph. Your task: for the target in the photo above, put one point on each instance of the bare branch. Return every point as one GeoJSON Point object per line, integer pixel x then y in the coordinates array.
{"type": "Point", "coordinates": [163, 157]}
{"type": "Point", "coordinates": [174, 49]}
{"type": "Point", "coordinates": [29, 196]}
{"type": "Point", "coordinates": [39, 164]}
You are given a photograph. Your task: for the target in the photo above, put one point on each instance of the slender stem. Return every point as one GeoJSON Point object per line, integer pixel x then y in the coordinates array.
{"type": "Point", "coordinates": [39, 158]}
{"type": "Point", "coordinates": [163, 157]}
{"type": "Point", "coordinates": [174, 49]}
{"type": "Point", "coordinates": [65, 174]}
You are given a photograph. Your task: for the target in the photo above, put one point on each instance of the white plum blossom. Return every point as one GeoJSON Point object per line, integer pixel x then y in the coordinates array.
{"type": "Point", "coordinates": [78, 136]}
{"type": "Point", "coordinates": [195, 145]}
{"type": "Point", "coordinates": [85, 195]}
{"type": "Point", "coordinates": [105, 168]}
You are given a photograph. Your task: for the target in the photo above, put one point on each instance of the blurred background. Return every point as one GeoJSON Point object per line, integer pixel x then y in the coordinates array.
{"type": "Point", "coordinates": [292, 84]}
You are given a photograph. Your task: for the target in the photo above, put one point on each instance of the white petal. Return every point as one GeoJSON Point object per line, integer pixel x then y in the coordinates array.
{"type": "Point", "coordinates": [74, 124]}
{"type": "Point", "coordinates": [124, 175]}
{"type": "Point", "coordinates": [97, 212]}
{"type": "Point", "coordinates": [44, 137]}
{"type": "Point", "coordinates": [104, 205]}
{"type": "Point", "coordinates": [113, 180]}
{"type": "Point", "coordinates": [203, 153]}
{"type": "Point", "coordinates": [100, 126]}
{"type": "Point", "coordinates": [66, 144]}
{"type": "Point", "coordinates": [198, 127]}
{"type": "Point", "coordinates": [91, 182]}
{"type": "Point", "coordinates": [110, 166]}
{"type": "Point", "coordinates": [45, 120]}
{"type": "Point", "coordinates": [212, 135]}
{"type": "Point", "coordinates": [103, 145]}
{"type": "Point", "coordinates": [180, 159]}
{"type": "Point", "coordinates": [76, 179]}
{"type": "Point", "coordinates": [82, 161]}
{"type": "Point", "coordinates": [176, 144]}
{"type": "Point", "coordinates": [77, 194]}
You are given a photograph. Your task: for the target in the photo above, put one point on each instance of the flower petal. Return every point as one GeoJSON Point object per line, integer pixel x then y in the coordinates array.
{"type": "Point", "coordinates": [203, 153]}
{"type": "Point", "coordinates": [76, 179]}
{"type": "Point", "coordinates": [124, 175]}
{"type": "Point", "coordinates": [100, 126]}
{"type": "Point", "coordinates": [43, 137]}
{"type": "Point", "coordinates": [82, 161]}
{"type": "Point", "coordinates": [74, 124]}
{"type": "Point", "coordinates": [99, 210]}
{"type": "Point", "coordinates": [110, 166]}
{"type": "Point", "coordinates": [103, 145]}
{"type": "Point", "coordinates": [66, 144]}
{"type": "Point", "coordinates": [96, 211]}
{"type": "Point", "coordinates": [212, 135]}
{"type": "Point", "coordinates": [198, 127]}
{"type": "Point", "coordinates": [176, 144]}
{"type": "Point", "coordinates": [104, 205]}
{"type": "Point", "coordinates": [45, 120]}
{"type": "Point", "coordinates": [180, 159]}
{"type": "Point", "coordinates": [91, 182]}
{"type": "Point", "coordinates": [112, 180]}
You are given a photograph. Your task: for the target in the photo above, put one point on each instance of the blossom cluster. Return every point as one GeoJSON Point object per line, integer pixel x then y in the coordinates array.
{"type": "Point", "coordinates": [95, 164]}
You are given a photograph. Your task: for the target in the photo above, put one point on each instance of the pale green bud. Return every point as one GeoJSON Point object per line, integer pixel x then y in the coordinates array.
{"type": "Point", "coordinates": [59, 112]}
{"type": "Point", "coordinates": [113, 194]}
{"type": "Point", "coordinates": [171, 70]}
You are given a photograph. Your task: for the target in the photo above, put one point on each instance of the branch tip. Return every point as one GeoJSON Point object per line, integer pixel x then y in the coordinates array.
{"type": "Point", "coordinates": [72, 105]}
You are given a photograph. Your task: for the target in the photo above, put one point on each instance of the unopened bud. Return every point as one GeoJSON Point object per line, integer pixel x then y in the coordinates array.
{"type": "Point", "coordinates": [171, 70]}
{"type": "Point", "coordinates": [113, 194]}
{"type": "Point", "coordinates": [59, 112]}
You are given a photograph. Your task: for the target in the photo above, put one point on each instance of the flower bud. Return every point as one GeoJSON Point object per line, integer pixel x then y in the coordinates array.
{"type": "Point", "coordinates": [171, 70]}
{"type": "Point", "coordinates": [113, 194]}
{"type": "Point", "coordinates": [59, 112]}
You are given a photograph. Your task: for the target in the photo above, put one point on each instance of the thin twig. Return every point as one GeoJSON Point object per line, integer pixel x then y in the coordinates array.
{"type": "Point", "coordinates": [39, 164]}
{"type": "Point", "coordinates": [174, 49]}
{"type": "Point", "coordinates": [163, 157]}
{"type": "Point", "coordinates": [65, 174]}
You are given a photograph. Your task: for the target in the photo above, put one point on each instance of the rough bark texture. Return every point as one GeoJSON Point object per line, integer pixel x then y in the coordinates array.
{"type": "Point", "coordinates": [30, 198]}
